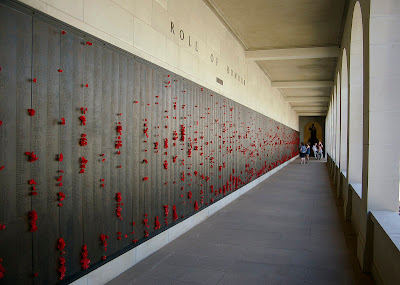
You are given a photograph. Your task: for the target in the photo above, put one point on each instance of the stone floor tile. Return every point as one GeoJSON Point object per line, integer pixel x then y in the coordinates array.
{"type": "Point", "coordinates": [241, 279]}
{"type": "Point", "coordinates": [150, 280]}
{"type": "Point", "coordinates": [202, 276]}
{"type": "Point", "coordinates": [179, 259]}
{"type": "Point", "coordinates": [251, 268]}
{"type": "Point", "coordinates": [219, 264]}
{"type": "Point", "coordinates": [319, 276]}
{"type": "Point", "coordinates": [167, 270]}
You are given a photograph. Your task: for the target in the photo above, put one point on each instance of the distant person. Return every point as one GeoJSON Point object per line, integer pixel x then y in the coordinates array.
{"type": "Point", "coordinates": [303, 151]}
{"type": "Point", "coordinates": [315, 150]}
{"type": "Point", "coordinates": [308, 150]}
{"type": "Point", "coordinates": [320, 150]}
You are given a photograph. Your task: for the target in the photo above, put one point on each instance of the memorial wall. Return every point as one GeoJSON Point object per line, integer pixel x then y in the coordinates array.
{"type": "Point", "coordinates": [101, 150]}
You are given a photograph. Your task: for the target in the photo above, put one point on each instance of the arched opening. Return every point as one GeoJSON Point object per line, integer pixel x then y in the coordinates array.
{"type": "Point", "coordinates": [330, 129]}
{"type": "Point", "coordinates": [343, 114]}
{"type": "Point", "coordinates": [356, 101]}
{"type": "Point", "coordinates": [312, 134]}
{"type": "Point", "coordinates": [327, 134]}
{"type": "Point", "coordinates": [338, 121]}
{"type": "Point", "coordinates": [334, 122]}
{"type": "Point", "coordinates": [332, 132]}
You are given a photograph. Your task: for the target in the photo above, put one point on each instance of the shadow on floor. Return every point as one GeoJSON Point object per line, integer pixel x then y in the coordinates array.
{"type": "Point", "coordinates": [351, 241]}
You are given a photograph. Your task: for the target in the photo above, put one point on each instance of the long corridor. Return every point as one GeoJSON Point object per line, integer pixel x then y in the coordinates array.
{"type": "Point", "coordinates": [287, 230]}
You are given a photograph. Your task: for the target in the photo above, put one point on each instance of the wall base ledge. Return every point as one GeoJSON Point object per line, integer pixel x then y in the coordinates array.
{"type": "Point", "coordinates": [390, 223]}
{"type": "Point", "coordinates": [357, 188]}
{"type": "Point", "coordinates": [385, 245]}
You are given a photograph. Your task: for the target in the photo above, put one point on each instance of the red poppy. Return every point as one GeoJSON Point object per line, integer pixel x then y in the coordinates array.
{"type": "Point", "coordinates": [85, 260]}
{"type": "Point", "coordinates": [33, 216]}
{"type": "Point", "coordinates": [83, 120]}
{"type": "Point", "coordinates": [61, 244]}
{"type": "Point", "coordinates": [157, 224]}
{"type": "Point", "coordinates": [174, 214]}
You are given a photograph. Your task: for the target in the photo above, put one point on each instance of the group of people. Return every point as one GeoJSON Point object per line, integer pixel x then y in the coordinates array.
{"type": "Point", "coordinates": [305, 151]}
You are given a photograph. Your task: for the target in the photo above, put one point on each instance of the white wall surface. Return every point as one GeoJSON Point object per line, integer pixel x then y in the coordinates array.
{"type": "Point", "coordinates": [143, 27]}
{"type": "Point", "coordinates": [384, 106]}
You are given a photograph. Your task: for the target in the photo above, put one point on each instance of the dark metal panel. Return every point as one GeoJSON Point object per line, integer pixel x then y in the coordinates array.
{"type": "Point", "coordinates": [94, 75]}
{"type": "Point", "coordinates": [91, 178]}
{"type": "Point", "coordinates": [129, 133]}
{"type": "Point", "coordinates": [45, 127]}
{"type": "Point", "coordinates": [194, 167]}
{"type": "Point", "coordinates": [204, 105]}
{"type": "Point", "coordinates": [156, 150]}
{"type": "Point", "coordinates": [185, 144]}
{"type": "Point", "coordinates": [182, 185]}
{"type": "Point", "coordinates": [188, 95]}
{"type": "Point", "coordinates": [113, 81]}
{"type": "Point", "coordinates": [199, 190]}
{"type": "Point", "coordinates": [219, 174]}
{"type": "Point", "coordinates": [23, 134]}
{"type": "Point", "coordinates": [144, 133]}
{"type": "Point", "coordinates": [137, 138]}
{"type": "Point", "coordinates": [71, 224]}
{"type": "Point", "coordinates": [108, 215]}
{"type": "Point", "coordinates": [206, 145]}
{"type": "Point", "coordinates": [163, 152]}
{"type": "Point", "coordinates": [8, 141]}
{"type": "Point", "coordinates": [151, 152]}
{"type": "Point", "coordinates": [174, 144]}
{"type": "Point", "coordinates": [165, 95]}
{"type": "Point", "coordinates": [213, 159]}
{"type": "Point", "coordinates": [15, 95]}
{"type": "Point", "coordinates": [124, 153]}
{"type": "Point", "coordinates": [192, 124]}
{"type": "Point", "coordinates": [160, 153]}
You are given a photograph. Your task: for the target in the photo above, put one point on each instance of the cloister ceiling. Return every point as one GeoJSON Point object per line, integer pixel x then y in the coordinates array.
{"type": "Point", "coordinates": [295, 42]}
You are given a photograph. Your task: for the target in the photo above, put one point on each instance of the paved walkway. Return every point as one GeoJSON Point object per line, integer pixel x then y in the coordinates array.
{"type": "Point", "coordinates": [287, 230]}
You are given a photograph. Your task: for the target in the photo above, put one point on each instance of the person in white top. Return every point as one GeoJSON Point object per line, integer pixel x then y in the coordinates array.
{"type": "Point", "coordinates": [320, 150]}
{"type": "Point", "coordinates": [315, 150]}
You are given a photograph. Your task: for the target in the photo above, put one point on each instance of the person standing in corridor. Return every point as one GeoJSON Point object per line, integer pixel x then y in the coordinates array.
{"type": "Point", "coordinates": [308, 150]}
{"type": "Point", "coordinates": [315, 150]}
{"type": "Point", "coordinates": [303, 151]}
{"type": "Point", "coordinates": [320, 150]}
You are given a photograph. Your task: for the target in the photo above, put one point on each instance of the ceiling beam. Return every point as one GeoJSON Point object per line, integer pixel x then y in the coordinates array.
{"type": "Point", "coordinates": [301, 84]}
{"type": "Point", "coordinates": [307, 108]}
{"type": "Point", "coordinates": [311, 114]}
{"type": "Point", "coordinates": [309, 104]}
{"type": "Point", "coordinates": [293, 53]}
{"type": "Point", "coordinates": [306, 94]}
{"type": "Point", "coordinates": [307, 99]}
